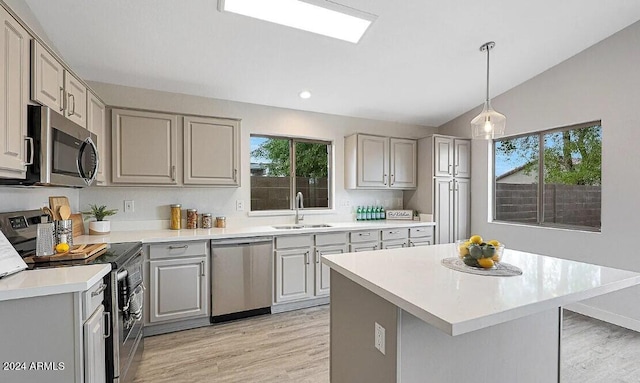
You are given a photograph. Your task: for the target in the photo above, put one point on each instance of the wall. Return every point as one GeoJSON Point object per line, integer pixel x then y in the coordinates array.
{"type": "Point", "coordinates": [28, 198]}
{"type": "Point", "coordinates": [151, 203]}
{"type": "Point", "coordinates": [600, 83]}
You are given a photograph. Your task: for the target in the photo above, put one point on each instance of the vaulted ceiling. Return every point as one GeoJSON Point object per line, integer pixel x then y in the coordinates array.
{"type": "Point", "coordinates": [418, 63]}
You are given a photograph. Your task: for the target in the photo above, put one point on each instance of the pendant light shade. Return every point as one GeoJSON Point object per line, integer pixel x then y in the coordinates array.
{"type": "Point", "coordinates": [489, 123]}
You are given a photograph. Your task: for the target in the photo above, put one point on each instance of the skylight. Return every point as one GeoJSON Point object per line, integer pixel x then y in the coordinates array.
{"type": "Point", "coordinates": [328, 18]}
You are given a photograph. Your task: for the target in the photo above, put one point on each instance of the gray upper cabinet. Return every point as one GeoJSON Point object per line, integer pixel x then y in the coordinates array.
{"type": "Point", "coordinates": [375, 162]}
{"type": "Point", "coordinates": [211, 151]}
{"type": "Point", "coordinates": [76, 102]}
{"type": "Point", "coordinates": [14, 97]}
{"type": "Point", "coordinates": [452, 157]}
{"type": "Point", "coordinates": [57, 88]}
{"type": "Point", "coordinates": [403, 165]}
{"type": "Point", "coordinates": [144, 147]}
{"type": "Point", "coordinates": [47, 79]}
{"type": "Point", "coordinates": [96, 123]}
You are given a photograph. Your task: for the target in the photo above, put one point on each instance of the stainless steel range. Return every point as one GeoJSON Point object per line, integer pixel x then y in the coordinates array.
{"type": "Point", "coordinates": [123, 297]}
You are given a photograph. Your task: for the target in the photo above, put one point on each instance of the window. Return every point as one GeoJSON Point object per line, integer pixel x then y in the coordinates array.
{"type": "Point", "coordinates": [282, 166]}
{"type": "Point", "coordinates": [551, 178]}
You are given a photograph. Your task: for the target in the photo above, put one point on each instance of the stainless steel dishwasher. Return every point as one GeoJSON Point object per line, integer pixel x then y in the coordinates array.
{"type": "Point", "coordinates": [241, 277]}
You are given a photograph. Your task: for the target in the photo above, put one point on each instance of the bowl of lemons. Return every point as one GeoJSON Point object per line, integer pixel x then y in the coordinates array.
{"type": "Point", "coordinates": [475, 252]}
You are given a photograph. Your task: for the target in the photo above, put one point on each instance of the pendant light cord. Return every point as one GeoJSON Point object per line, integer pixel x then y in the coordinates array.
{"type": "Point", "coordinates": [488, 49]}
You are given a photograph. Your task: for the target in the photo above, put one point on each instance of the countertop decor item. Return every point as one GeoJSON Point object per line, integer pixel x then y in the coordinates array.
{"type": "Point", "coordinates": [99, 226]}
{"type": "Point", "coordinates": [176, 216]}
{"type": "Point", "coordinates": [488, 124]}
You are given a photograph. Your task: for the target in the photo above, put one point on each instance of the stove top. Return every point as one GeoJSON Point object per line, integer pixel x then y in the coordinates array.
{"type": "Point", "coordinates": [20, 229]}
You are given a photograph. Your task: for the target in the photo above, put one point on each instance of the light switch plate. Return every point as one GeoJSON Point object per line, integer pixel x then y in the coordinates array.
{"type": "Point", "coordinates": [129, 206]}
{"type": "Point", "coordinates": [239, 205]}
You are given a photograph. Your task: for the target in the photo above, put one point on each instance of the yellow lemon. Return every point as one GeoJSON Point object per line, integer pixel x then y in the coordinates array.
{"type": "Point", "coordinates": [463, 250]}
{"type": "Point", "coordinates": [62, 248]}
{"type": "Point", "coordinates": [494, 242]}
{"type": "Point", "coordinates": [476, 239]}
{"type": "Point", "coordinates": [496, 257]}
{"type": "Point", "coordinates": [485, 263]}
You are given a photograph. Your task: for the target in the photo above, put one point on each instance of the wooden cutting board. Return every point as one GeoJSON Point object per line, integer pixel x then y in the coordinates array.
{"type": "Point", "coordinates": [78, 224]}
{"type": "Point", "coordinates": [86, 252]}
{"type": "Point", "coordinates": [54, 204]}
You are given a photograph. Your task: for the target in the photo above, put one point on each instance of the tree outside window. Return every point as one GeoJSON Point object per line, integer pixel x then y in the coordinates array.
{"type": "Point", "coordinates": [277, 175]}
{"type": "Point", "coordinates": [571, 172]}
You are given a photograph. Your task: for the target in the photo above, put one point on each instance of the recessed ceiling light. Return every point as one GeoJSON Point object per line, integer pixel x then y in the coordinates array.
{"type": "Point", "coordinates": [305, 94]}
{"type": "Point", "coordinates": [318, 16]}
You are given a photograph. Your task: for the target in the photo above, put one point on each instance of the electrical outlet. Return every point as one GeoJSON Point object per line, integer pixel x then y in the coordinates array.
{"type": "Point", "coordinates": [239, 205]}
{"type": "Point", "coordinates": [129, 207]}
{"type": "Point", "coordinates": [379, 338]}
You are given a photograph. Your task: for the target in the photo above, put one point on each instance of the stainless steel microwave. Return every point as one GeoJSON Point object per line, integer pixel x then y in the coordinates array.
{"type": "Point", "coordinates": [63, 153]}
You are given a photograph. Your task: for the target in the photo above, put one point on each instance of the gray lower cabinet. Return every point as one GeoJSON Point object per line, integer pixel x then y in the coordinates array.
{"type": "Point", "coordinates": [58, 338]}
{"type": "Point", "coordinates": [94, 347]}
{"type": "Point", "coordinates": [178, 281]}
{"type": "Point", "coordinates": [293, 271]}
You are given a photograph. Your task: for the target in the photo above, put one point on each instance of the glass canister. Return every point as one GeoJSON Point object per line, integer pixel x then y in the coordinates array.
{"type": "Point", "coordinates": [192, 218]}
{"type": "Point", "coordinates": [207, 221]}
{"type": "Point", "coordinates": [221, 222]}
{"type": "Point", "coordinates": [176, 216]}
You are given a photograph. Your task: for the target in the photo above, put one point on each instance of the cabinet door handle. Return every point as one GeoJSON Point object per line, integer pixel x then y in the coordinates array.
{"type": "Point", "coordinates": [235, 175]}
{"type": "Point", "coordinates": [455, 183]}
{"type": "Point", "coordinates": [456, 170]}
{"type": "Point", "coordinates": [178, 247]}
{"type": "Point", "coordinates": [318, 255]}
{"type": "Point", "coordinates": [450, 188]}
{"type": "Point", "coordinates": [384, 179]}
{"type": "Point", "coordinates": [107, 324]}
{"type": "Point", "coordinates": [306, 257]}
{"type": "Point", "coordinates": [393, 179]}
{"type": "Point", "coordinates": [63, 100]}
{"type": "Point", "coordinates": [173, 172]}
{"type": "Point", "coordinates": [72, 109]}
{"type": "Point", "coordinates": [202, 268]}
{"type": "Point", "coordinates": [99, 291]}
{"type": "Point", "coordinates": [31, 150]}
{"type": "Point", "coordinates": [450, 166]}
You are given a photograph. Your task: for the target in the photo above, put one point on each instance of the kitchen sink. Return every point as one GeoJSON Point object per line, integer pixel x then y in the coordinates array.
{"type": "Point", "coordinates": [293, 227]}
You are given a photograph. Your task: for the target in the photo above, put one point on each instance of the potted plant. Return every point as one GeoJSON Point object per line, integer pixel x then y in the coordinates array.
{"type": "Point", "coordinates": [99, 226]}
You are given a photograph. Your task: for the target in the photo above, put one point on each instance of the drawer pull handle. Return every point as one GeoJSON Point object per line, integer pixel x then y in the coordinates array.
{"type": "Point", "coordinates": [364, 234]}
{"type": "Point", "coordinates": [375, 247]}
{"type": "Point", "coordinates": [178, 247]}
{"type": "Point", "coordinates": [394, 232]}
{"type": "Point", "coordinates": [99, 291]}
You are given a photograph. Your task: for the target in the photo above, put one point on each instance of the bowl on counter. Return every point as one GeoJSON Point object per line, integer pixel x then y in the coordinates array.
{"type": "Point", "coordinates": [465, 247]}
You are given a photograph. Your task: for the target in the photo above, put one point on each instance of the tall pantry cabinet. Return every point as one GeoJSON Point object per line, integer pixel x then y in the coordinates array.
{"type": "Point", "coordinates": [451, 188]}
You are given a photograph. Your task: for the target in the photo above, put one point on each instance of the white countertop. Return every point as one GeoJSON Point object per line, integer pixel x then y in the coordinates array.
{"type": "Point", "coordinates": [456, 302]}
{"type": "Point", "coordinates": [166, 235]}
{"type": "Point", "coordinates": [59, 280]}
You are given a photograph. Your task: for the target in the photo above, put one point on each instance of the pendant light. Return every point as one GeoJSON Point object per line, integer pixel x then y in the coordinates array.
{"type": "Point", "coordinates": [489, 123]}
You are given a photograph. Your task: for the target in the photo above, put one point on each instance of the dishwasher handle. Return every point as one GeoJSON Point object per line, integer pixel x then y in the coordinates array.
{"type": "Point", "coordinates": [241, 241]}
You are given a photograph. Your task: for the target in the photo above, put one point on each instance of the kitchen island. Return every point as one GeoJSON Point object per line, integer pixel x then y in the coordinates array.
{"type": "Point", "coordinates": [442, 325]}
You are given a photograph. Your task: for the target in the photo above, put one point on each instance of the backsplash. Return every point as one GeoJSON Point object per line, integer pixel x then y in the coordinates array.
{"type": "Point", "coordinates": [28, 198]}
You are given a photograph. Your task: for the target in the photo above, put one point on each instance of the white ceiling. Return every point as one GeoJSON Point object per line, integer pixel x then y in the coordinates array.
{"type": "Point", "coordinates": [418, 63]}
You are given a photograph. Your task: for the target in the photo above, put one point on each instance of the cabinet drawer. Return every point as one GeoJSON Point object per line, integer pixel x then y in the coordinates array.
{"type": "Point", "coordinates": [365, 236]}
{"type": "Point", "coordinates": [331, 239]}
{"type": "Point", "coordinates": [364, 246]}
{"type": "Point", "coordinates": [388, 234]}
{"type": "Point", "coordinates": [293, 241]}
{"type": "Point", "coordinates": [417, 232]}
{"type": "Point", "coordinates": [178, 249]}
{"type": "Point", "coordinates": [424, 241]}
{"type": "Point", "coordinates": [397, 244]}
{"type": "Point", "coordinates": [92, 299]}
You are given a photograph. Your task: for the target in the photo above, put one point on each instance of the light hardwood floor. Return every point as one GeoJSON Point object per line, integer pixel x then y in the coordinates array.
{"type": "Point", "coordinates": [294, 347]}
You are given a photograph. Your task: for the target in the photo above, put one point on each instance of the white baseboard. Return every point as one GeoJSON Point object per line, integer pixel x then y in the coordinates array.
{"type": "Point", "coordinates": [605, 316]}
{"type": "Point", "coordinates": [283, 307]}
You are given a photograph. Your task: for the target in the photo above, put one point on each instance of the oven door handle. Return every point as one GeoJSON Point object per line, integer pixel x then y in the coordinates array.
{"type": "Point", "coordinates": [107, 324]}
{"type": "Point", "coordinates": [102, 288]}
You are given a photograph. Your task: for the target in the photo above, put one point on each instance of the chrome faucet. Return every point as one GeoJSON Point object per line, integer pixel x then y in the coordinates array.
{"type": "Point", "coordinates": [299, 205]}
